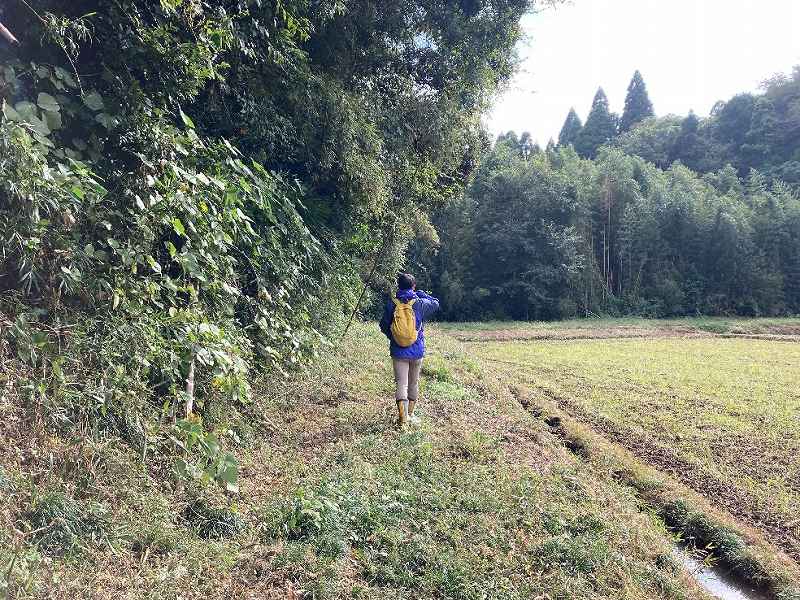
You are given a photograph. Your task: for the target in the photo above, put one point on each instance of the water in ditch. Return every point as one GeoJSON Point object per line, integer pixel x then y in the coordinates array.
{"type": "Point", "coordinates": [715, 580]}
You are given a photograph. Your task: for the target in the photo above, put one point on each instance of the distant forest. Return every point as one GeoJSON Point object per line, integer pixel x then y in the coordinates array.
{"type": "Point", "coordinates": [631, 215]}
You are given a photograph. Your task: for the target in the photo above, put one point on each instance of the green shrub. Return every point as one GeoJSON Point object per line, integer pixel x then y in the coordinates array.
{"type": "Point", "coordinates": [212, 522]}
{"type": "Point", "coordinates": [676, 514]}
{"type": "Point", "coordinates": [155, 538]}
{"type": "Point", "coordinates": [63, 524]}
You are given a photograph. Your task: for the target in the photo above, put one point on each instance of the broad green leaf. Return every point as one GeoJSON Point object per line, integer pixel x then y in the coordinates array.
{"type": "Point", "coordinates": [39, 126]}
{"type": "Point", "coordinates": [94, 101]}
{"type": "Point", "coordinates": [47, 102]}
{"type": "Point", "coordinates": [43, 140]}
{"type": "Point", "coordinates": [10, 113]}
{"type": "Point", "coordinates": [106, 120]}
{"type": "Point", "coordinates": [153, 264]}
{"type": "Point", "coordinates": [177, 225]}
{"type": "Point", "coordinates": [186, 120]}
{"type": "Point", "coordinates": [26, 109]}
{"type": "Point", "coordinates": [53, 120]}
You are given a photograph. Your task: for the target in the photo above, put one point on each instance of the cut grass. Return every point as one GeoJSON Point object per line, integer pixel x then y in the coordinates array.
{"type": "Point", "coordinates": [480, 501]}
{"type": "Point", "coordinates": [741, 550]}
{"type": "Point", "coordinates": [721, 413]}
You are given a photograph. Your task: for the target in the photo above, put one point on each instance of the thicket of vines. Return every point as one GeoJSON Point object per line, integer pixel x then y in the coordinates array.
{"type": "Point", "coordinates": [191, 192]}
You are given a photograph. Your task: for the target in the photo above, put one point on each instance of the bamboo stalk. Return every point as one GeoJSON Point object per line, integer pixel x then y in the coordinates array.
{"type": "Point", "coordinates": [190, 390]}
{"type": "Point", "coordinates": [7, 35]}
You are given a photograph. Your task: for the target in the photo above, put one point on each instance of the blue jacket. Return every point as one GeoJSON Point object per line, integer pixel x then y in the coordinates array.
{"type": "Point", "coordinates": [424, 307]}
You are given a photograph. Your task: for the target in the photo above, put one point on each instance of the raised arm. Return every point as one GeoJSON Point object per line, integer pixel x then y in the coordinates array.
{"type": "Point", "coordinates": [429, 304]}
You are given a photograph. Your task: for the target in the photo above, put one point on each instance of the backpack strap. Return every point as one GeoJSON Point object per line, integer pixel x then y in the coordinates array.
{"type": "Point", "coordinates": [398, 302]}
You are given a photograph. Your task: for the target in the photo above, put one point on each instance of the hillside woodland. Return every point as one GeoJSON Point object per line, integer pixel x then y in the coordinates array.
{"type": "Point", "coordinates": [634, 216]}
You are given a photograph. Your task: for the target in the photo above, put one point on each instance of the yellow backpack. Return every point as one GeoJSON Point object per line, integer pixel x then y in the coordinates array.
{"type": "Point", "coordinates": [404, 323]}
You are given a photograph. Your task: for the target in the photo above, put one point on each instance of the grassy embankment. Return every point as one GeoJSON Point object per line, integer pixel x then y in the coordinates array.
{"type": "Point", "coordinates": [481, 501]}
{"type": "Point", "coordinates": [719, 414]}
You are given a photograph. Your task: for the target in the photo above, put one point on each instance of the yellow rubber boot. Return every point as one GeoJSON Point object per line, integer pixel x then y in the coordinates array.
{"type": "Point", "coordinates": [412, 418]}
{"type": "Point", "coordinates": [402, 413]}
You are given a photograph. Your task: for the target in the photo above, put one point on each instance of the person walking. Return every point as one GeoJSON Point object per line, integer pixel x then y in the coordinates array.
{"type": "Point", "coordinates": [403, 323]}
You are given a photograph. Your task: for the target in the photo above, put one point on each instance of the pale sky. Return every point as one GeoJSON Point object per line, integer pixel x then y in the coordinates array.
{"type": "Point", "coordinates": [691, 53]}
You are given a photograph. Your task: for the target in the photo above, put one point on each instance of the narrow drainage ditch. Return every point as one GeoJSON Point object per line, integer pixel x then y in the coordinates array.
{"type": "Point", "coordinates": [715, 580]}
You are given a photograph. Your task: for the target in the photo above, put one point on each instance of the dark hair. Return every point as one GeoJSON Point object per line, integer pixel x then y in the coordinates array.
{"type": "Point", "coordinates": [406, 281]}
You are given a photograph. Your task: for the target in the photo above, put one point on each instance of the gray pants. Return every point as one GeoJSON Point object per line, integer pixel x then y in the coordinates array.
{"type": "Point", "coordinates": [406, 378]}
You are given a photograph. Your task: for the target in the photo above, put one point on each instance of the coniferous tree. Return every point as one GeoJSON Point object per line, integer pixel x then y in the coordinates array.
{"type": "Point", "coordinates": [637, 104]}
{"type": "Point", "coordinates": [601, 126]}
{"type": "Point", "coordinates": [571, 129]}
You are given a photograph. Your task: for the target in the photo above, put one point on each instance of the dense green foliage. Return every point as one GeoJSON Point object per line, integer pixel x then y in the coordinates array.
{"type": "Point", "coordinates": [191, 189]}
{"type": "Point", "coordinates": [559, 236]}
{"type": "Point", "coordinates": [662, 217]}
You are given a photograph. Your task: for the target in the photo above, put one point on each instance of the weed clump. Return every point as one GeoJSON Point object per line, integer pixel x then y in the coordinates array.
{"type": "Point", "coordinates": [437, 371]}
{"type": "Point", "coordinates": [155, 540]}
{"type": "Point", "coordinates": [714, 326]}
{"type": "Point", "coordinates": [63, 524]}
{"type": "Point", "coordinates": [323, 518]}
{"type": "Point", "coordinates": [573, 555]}
{"type": "Point", "coordinates": [5, 482]}
{"type": "Point", "coordinates": [212, 522]}
{"type": "Point", "coordinates": [676, 514]}
{"type": "Point", "coordinates": [475, 446]}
